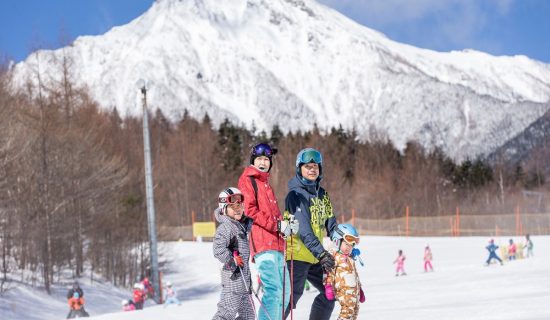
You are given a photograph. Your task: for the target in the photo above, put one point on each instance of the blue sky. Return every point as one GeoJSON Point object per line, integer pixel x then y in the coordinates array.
{"type": "Point", "coordinates": [499, 27]}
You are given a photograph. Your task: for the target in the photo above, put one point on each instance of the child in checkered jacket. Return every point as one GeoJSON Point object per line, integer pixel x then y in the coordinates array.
{"type": "Point", "coordinates": [231, 249]}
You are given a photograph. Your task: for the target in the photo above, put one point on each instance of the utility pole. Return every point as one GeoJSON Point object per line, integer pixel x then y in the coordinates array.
{"type": "Point", "coordinates": [143, 86]}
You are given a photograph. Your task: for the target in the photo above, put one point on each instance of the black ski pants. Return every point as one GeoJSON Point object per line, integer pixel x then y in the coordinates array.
{"type": "Point", "coordinates": [321, 309]}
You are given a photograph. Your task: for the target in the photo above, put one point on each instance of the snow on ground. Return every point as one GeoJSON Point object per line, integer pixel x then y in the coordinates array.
{"type": "Point", "coordinates": [460, 288]}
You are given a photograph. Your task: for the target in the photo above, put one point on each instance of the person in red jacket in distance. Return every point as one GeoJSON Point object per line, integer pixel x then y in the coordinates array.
{"type": "Point", "coordinates": [269, 230]}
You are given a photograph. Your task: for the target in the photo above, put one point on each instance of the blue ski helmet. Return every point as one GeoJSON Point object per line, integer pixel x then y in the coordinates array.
{"type": "Point", "coordinates": [309, 155]}
{"type": "Point", "coordinates": [346, 232]}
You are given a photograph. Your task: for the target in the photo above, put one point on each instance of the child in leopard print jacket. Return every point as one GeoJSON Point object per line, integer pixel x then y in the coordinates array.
{"type": "Point", "coordinates": [343, 281]}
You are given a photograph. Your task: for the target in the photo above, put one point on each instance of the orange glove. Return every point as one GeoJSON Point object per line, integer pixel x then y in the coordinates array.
{"type": "Point", "coordinates": [238, 259]}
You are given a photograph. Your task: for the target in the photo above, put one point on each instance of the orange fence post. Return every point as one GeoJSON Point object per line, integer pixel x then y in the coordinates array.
{"type": "Point", "coordinates": [497, 231]}
{"type": "Point", "coordinates": [407, 221]}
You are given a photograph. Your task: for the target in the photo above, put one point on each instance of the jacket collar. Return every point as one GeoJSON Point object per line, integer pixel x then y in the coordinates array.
{"type": "Point", "coordinates": [252, 171]}
{"type": "Point", "coordinates": [298, 182]}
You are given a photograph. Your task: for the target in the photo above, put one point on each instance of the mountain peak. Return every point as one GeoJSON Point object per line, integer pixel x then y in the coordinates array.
{"type": "Point", "coordinates": [298, 63]}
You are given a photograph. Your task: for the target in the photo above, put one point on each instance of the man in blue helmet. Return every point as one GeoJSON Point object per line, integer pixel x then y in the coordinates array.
{"type": "Point", "coordinates": [307, 259]}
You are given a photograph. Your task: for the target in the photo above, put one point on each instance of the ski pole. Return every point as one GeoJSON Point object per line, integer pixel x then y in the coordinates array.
{"type": "Point", "coordinates": [261, 304]}
{"type": "Point", "coordinates": [361, 261]}
{"type": "Point", "coordinates": [284, 277]}
{"type": "Point", "coordinates": [291, 279]}
{"type": "Point", "coordinates": [235, 253]}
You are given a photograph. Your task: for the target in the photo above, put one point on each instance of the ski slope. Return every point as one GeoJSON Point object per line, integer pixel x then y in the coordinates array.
{"type": "Point", "coordinates": [460, 288]}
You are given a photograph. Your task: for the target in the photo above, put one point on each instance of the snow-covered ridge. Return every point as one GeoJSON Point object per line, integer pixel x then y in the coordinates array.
{"type": "Point", "coordinates": [296, 63]}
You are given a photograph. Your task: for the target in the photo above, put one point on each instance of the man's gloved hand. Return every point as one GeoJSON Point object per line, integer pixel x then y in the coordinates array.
{"type": "Point", "coordinates": [329, 292]}
{"type": "Point", "coordinates": [238, 259]}
{"type": "Point", "coordinates": [355, 252]}
{"type": "Point", "coordinates": [327, 261]}
{"type": "Point", "coordinates": [294, 225]}
{"type": "Point", "coordinates": [283, 226]}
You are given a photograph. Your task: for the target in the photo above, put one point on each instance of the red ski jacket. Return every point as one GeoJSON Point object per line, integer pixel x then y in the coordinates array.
{"type": "Point", "coordinates": [263, 209]}
{"type": "Point", "coordinates": [139, 295]}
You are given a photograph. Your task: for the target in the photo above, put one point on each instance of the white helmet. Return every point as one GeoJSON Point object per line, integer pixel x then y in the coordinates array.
{"type": "Point", "coordinates": [138, 285]}
{"type": "Point", "coordinates": [124, 302]}
{"type": "Point", "coordinates": [168, 283]}
{"type": "Point", "coordinates": [228, 196]}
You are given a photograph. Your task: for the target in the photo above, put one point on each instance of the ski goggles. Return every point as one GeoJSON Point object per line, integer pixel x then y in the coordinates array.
{"type": "Point", "coordinates": [232, 199]}
{"type": "Point", "coordinates": [352, 240]}
{"type": "Point", "coordinates": [311, 155]}
{"type": "Point", "coordinates": [263, 149]}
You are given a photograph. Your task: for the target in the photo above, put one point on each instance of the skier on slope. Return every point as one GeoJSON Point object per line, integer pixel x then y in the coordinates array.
{"type": "Point", "coordinates": [428, 259]}
{"type": "Point", "coordinates": [400, 261]}
{"type": "Point", "coordinates": [75, 288]}
{"type": "Point", "coordinates": [139, 295]}
{"type": "Point", "coordinates": [76, 305]}
{"type": "Point", "coordinates": [492, 248]}
{"type": "Point", "coordinates": [529, 246]}
{"type": "Point", "coordinates": [266, 237]}
{"type": "Point", "coordinates": [171, 295]}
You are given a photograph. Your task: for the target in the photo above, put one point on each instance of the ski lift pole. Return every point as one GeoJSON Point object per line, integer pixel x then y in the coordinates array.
{"type": "Point", "coordinates": [143, 86]}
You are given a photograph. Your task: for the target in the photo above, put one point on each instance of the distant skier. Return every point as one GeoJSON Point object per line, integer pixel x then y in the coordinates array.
{"type": "Point", "coordinates": [148, 288]}
{"type": "Point", "coordinates": [171, 297]}
{"type": "Point", "coordinates": [492, 248]}
{"type": "Point", "coordinates": [128, 305]}
{"type": "Point", "coordinates": [342, 283]}
{"type": "Point", "coordinates": [529, 246]}
{"type": "Point", "coordinates": [428, 259]}
{"type": "Point", "coordinates": [400, 261]}
{"type": "Point", "coordinates": [76, 305]}
{"type": "Point", "coordinates": [139, 296]}
{"type": "Point", "coordinates": [512, 250]}
{"type": "Point", "coordinates": [231, 248]}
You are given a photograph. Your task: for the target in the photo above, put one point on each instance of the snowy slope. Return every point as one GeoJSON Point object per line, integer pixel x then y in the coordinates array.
{"type": "Point", "coordinates": [460, 288]}
{"type": "Point", "coordinates": [296, 63]}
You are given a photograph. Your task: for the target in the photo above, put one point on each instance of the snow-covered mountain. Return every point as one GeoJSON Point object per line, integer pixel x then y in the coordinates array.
{"type": "Point", "coordinates": [295, 63]}
{"type": "Point", "coordinates": [531, 145]}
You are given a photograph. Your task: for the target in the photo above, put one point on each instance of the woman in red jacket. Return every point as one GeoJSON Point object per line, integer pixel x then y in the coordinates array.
{"type": "Point", "coordinates": [267, 242]}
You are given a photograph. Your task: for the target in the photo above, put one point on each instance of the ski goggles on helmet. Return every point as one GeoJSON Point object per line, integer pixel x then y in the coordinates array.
{"type": "Point", "coordinates": [232, 199]}
{"type": "Point", "coordinates": [352, 240]}
{"type": "Point", "coordinates": [311, 155]}
{"type": "Point", "coordinates": [263, 149]}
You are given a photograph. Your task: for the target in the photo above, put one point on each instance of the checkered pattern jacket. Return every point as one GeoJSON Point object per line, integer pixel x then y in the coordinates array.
{"type": "Point", "coordinates": [232, 235]}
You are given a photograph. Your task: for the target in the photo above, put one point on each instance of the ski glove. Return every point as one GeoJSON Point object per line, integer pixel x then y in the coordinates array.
{"type": "Point", "coordinates": [283, 226]}
{"type": "Point", "coordinates": [327, 261]}
{"type": "Point", "coordinates": [329, 292]}
{"type": "Point", "coordinates": [361, 295]}
{"type": "Point", "coordinates": [238, 259]}
{"type": "Point", "coordinates": [294, 225]}
{"type": "Point", "coordinates": [355, 253]}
